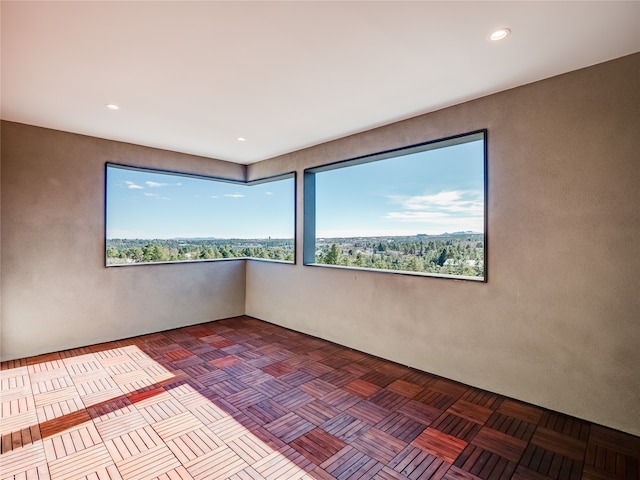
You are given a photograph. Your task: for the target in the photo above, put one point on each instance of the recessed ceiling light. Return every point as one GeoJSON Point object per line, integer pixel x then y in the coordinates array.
{"type": "Point", "coordinates": [242, 139]}
{"type": "Point", "coordinates": [112, 106]}
{"type": "Point", "coordinates": [500, 34]}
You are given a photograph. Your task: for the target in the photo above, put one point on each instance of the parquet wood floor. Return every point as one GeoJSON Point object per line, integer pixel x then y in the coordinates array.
{"type": "Point", "coordinates": [244, 399]}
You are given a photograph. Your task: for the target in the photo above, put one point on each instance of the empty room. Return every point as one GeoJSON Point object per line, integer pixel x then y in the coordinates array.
{"type": "Point", "coordinates": [318, 240]}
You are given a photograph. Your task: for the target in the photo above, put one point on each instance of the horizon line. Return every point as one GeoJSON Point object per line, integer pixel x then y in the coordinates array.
{"type": "Point", "coordinates": [293, 238]}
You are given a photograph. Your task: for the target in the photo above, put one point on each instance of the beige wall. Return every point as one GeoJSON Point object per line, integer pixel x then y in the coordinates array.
{"type": "Point", "coordinates": [56, 292]}
{"type": "Point", "coordinates": [558, 323]}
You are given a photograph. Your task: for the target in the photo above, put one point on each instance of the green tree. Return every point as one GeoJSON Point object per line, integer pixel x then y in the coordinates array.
{"type": "Point", "coordinates": [135, 253]}
{"type": "Point", "coordinates": [443, 256]}
{"type": "Point", "coordinates": [412, 265]}
{"type": "Point", "coordinates": [332, 257]}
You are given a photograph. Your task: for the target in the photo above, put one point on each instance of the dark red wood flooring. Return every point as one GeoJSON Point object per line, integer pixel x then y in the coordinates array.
{"type": "Point", "coordinates": [244, 399]}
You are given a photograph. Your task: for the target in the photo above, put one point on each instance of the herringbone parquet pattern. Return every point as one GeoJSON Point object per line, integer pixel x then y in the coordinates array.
{"type": "Point", "coordinates": [244, 399]}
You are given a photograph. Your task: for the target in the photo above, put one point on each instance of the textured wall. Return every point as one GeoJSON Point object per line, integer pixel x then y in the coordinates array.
{"type": "Point", "coordinates": [558, 323]}
{"type": "Point", "coordinates": [56, 292]}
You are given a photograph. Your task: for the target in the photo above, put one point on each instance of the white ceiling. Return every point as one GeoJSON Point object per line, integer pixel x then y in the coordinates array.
{"type": "Point", "coordinates": [194, 76]}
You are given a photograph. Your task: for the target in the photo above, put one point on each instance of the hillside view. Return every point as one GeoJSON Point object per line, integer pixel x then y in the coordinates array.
{"type": "Point", "coordinates": [131, 251]}
{"type": "Point", "coordinates": [452, 254]}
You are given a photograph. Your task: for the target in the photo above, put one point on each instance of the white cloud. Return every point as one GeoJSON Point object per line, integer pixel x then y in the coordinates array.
{"type": "Point", "coordinates": [133, 185]}
{"type": "Point", "coordinates": [215, 196]}
{"type": "Point", "coordinates": [467, 203]}
{"type": "Point", "coordinates": [268, 193]}
{"type": "Point", "coordinates": [156, 195]}
{"type": "Point", "coordinates": [446, 211]}
{"type": "Point", "coordinates": [233, 195]}
{"type": "Point", "coordinates": [156, 184]}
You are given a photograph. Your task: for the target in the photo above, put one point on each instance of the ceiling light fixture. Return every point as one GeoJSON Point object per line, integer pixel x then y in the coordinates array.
{"type": "Point", "coordinates": [112, 106]}
{"type": "Point", "coordinates": [242, 139]}
{"type": "Point", "coordinates": [500, 34]}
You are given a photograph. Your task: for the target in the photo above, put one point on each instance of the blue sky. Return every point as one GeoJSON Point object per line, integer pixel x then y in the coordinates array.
{"type": "Point", "coordinates": [143, 204]}
{"type": "Point", "coordinates": [431, 192]}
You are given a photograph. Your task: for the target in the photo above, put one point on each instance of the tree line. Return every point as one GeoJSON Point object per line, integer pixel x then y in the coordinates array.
{"type": "Point", "coordinates": [453, 254]}
{"type": "Point", "coordinates": [121, 251]}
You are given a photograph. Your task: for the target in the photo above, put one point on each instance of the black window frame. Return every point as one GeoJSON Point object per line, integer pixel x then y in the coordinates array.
{"type": "Point", "coordinates": [283, 176]}
{"type": "Point", "coordinates": [309, 203]}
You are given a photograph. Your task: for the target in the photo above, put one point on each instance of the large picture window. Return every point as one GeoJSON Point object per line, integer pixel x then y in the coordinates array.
{"type": "Point", "coordinates": [419, 210]}
{"type": "Point", "coordinates": [156, 216]}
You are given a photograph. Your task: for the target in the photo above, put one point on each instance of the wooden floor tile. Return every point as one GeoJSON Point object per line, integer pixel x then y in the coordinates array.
{"type": "Point", "coordinates": [457, 426]}
{"type": "Point", "coordinates": [483, 398]}
{"type": "Point", "coordinates": [549, 463]}
{"type": "Point", "coordinates": [511, 426]}
{"type": "Point", "coordinates": [242, 399]}
{"type": "Point", "coordinates": [470, 411]}
{"type": "Point", "coordinates": [420, 412]}
{"type": "Point", "coordinates": [77, 438]}
{"type": "Point", "coordinates": [19, 438]}
{"type": "Point", "coordinates": [285, 463]}
{"type": "Point", "coordinates": [277, 369]}
{"type": "Point", "coordinates": [351, 462]}
{"type": "Point", "coordinates": [435, 399]}
{"type": "Point", "coordinates": [121, 424]}
{"type": "Point", "coordinates": [294, 398]}
{"type": "Point", "coordinates": [361, 387]}
{"type": "Point", "coordinates": [21, 460]}
{"type": "Point", "coordinates": [619, 442]}
{"type": "Point", "coordinates": [289, 427]}
{"type": "Point", "coordinates": [415, 463]}
{"type": "Point", "coordinates": [317, 412]}
{"type": "Point", "coordinates": [379, 445]}
{"type": "Point", "coordinates": [528, 413]}
{"type": "Point", "coordinates": [368, 412]}
{"type": "Point", "coordinates": [266, 411]}
{"type": "Point", "coordinates": [440, 444]}
{"type": "Point", "coordinates": [387, 399]}
{"type": "Point", "coordinates": [346, 427]}
{"type": "Point", "coordinates": [220, 463]}
{"type": "Point", "coordinates": [317, 388]}
{"type": "Point", "coordinates": [318, 445]}
{"type": "Point", "coordinates": [149, 464]}
{"type": "Point", "coordinates": [81, 464]}
{"type": "Point", "coordinates": [448, 387]}
{"type": "Point", "coordinates": [341, 399]}
{"type": "Point", "coordinates": [401, 427]}
{"type": "Point", "coordinates": [565, 445]}
{"type": "Point", "coordinates": [405, 388]}
{"type": "Point", "coordinates": [228, 428]}
{"type": "Point", "coordinates": [56, 396]}
{"type": "Point", "coordinates": [500, 443]}
{"type": "Point", "coordinates": [485, 464]}
{"type": "Point", "coordinates": [18, 421]}
{"type": "Point", "coordinates": [250, 448]}
{"type": "Point", "coordinates": [179, 473]}
{"type": "Point", "coordinates": [133, 443]}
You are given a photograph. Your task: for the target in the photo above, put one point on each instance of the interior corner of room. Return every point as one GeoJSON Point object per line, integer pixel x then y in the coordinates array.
{"type": "Point", "coordinates": [557, 324]}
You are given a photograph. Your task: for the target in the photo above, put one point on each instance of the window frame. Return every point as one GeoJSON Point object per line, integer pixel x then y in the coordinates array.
{"type": "Point", "coordinates": [258, 181]}
{"type": "Point", "coordinates": [309, 200]}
